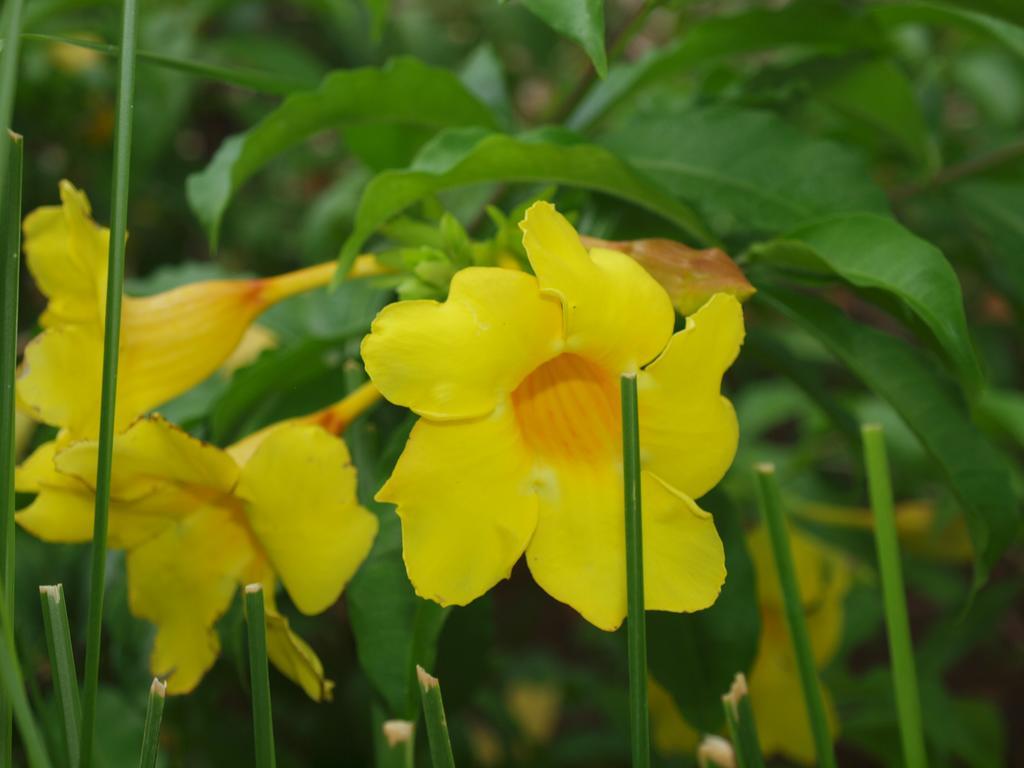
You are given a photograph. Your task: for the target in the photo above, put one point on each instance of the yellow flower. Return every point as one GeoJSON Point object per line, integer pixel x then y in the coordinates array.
{"type": "Point", "coordinates": [516, 379]}
{"type": "Point", "coordinates": [197, 521]}
{"type": "Point", "coordinates": [170, 341]}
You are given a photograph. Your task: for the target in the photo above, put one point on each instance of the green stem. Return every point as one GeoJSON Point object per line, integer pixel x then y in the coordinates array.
{"type": "Point", "coordinates": [154, 715]}
{"type": "Point", "coordinates": [12, 686]}
{"type": "Point", "coordinates": [254, 79]}
{"type": "Point", "coordinates": [10, 219]}
{"type": "Point", "coordinates": [400, 736]}
{"type": "Point", "coordinates": [437, 725]}
{"type": "Point", "coordinates": [896, 622]}
{"type": "Point", "coordinates": [771, 510]}
{"type": "Point", "coordinates": [62, 666]}
{"type": "Point", "coordinates": [259, 677]}
{"type": "Point", "coordinates": [739, 715]}
{"type": "Point", "coordinates": [636, 623]}
{"type": "Point", "coordinates": [111, 347]}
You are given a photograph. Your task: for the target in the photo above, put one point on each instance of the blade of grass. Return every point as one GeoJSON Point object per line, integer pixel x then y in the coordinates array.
{"type": "Point", "coordinates": [437, 725]}
{"type": "Point", "coordinates": [10, 216]}
{"type": "Point", "coordinates": [897, 625]}
{"type": "Point", "coordinates": [154, 715]}
{"type": "Point", "coordinates": [12, 686]}
{"type": "Point", "coordinates": [771, 511]}
{"type": "Point", "coordinates": [62, 667]}
{"type": "Point", "coordinates": [401, 738]}
{"type": "Point", "coordinates": [259, 676]}
{"type": "Point", "coordinates": [111, 347]}
{"type": "Point", "coordinates": [636, 622]}
{"type": "Point", "coordinates": [739, 716]}
{"type": "Point", "coordinates": [244, 77]}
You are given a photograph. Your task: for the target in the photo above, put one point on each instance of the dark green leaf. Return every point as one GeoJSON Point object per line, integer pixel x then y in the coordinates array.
{"type": "Point", "coordinates": [878, 253]}
{"type": "Point", "coordinates": [993, 208]}
{"type": "Point", "coordinates": [465, 156]}
{"type": "Point", "coordinates": [405, 91]}
{"type": "Point", "coordinates": [579, 20]}
{"type": "Point", "coordinates": [948, 14]}
{"type": "Point", "coordinates": [695, 656]}
{"type": "Point", "coordinates": [819, 26]}
{"type": "Point", "coordinates": [744, 169]}
{"type": "Point", "coordinates": [975, 471]}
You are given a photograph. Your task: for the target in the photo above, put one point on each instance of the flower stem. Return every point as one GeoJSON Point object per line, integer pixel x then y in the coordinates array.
{"type": "Point", "coordinates": [111, 346]}
{"type": "Point", "coordinates": [62, 667]}
{"type": "Point", "coordinates": [154, 715]}
{"type": "Point", "coordinates": [896, 622]}
{"type": "Point", "coordinates": [739, 716]}
{"type": "Point", "coordinates": [771, 510]}
{"type": "Point", "coordinates": [636, 623]}
{"type": "Point", "coordinates": [437, 726]}
{"type": "Point", "coordinates": [259, 676]}
{"type": "Point", "coordinates": [10, 217]}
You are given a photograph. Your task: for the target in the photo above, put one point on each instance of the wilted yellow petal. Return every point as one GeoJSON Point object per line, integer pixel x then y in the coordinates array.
{"type": "Point", "coordinates": [615, 314]}
{"type": "Point", "coordinates": [463, 492]}
{"type": "Point", "coordinates": [300, 493]}
{"type": "Point", "coordinates": [460, 358]}
{"type": "Point", "coordinates": [688, 431]}
{"type": "Point", "coordinates": [183, 581]}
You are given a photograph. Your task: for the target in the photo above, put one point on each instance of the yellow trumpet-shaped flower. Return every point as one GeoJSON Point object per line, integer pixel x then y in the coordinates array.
{"type": "Point", "coordinates": [776, 694]}
{"type": "Point", "coordinates": [169, 341]}
{"type": "Point", "coordinates": [518, 448]}
{"type": "Point", "coordinates": [197, 521]}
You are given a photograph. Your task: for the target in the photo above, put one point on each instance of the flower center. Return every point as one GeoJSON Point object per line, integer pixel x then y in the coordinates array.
{"type": "Point", "coordinates": [568, 408]}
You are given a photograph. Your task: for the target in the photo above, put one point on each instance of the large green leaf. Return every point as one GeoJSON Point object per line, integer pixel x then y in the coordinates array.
{"type": "Point", "coordinates": [459, 157]}
{"type": "Point", "coordinates": [579, 20]}
{"type": "Point", "coordinates": [745, 169]}
{"type": "Point", "coordinates": [695, 656]}
{"type": "Point", "coordinates": [405, 91]}
{"type": "Point", "coordinates": [878, 253]}
{"type": "Point", "coordinates": [816, 25]}
{"type": "Point", "coordinates": [895, 371]}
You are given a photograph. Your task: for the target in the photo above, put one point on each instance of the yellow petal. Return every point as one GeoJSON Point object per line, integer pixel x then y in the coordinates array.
{"type": "Point", "coordinates": [671, 734]}
{"type": "Point", "coordinates": [578, 553]}
{"type": "Point", "coordinates": [66, 253]}
{"type": "Point", "coordinates": [183, 581]}
{"type": "Point", "coordinates": [59, 515]}
{"type": "Point", "coordinates": [300, 489]}
{"type": "Point", "coordinates": [464, 495]}
{"type": "Point", "coordinates": [153, 451]}
{"type": "Point", "coordinates": [38, 468]}
{"type": "Point", "coordinates": [295, 659]}
{"type": "Point", "coordinates": [614, 312]}
{"type": "Point", "coordinates": [60, 379]}
{"type": "Point", "coordinates": [460, 358]}
{"type": "Point", "coordinates": [688, 431]}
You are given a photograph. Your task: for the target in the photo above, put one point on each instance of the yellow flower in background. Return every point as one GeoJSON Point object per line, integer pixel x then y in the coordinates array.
{"type": "Point", "coordinates": [518, 448]}
{"type": "Point", "coordinates": [776, 695]}
{"type": "Point", "coordinates": [170, 341]}
{"type": "Point", "coordinates": [197, 522]}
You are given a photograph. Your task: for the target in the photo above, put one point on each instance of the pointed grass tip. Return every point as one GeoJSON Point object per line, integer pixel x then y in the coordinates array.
{"type": "Point", "coordinates": [764, 468]}
{"type": "Point", "coordinates": [427, 680]}
{"type": "Point", "coordinates": [737, 691]}
{"type": "Point", "coordinates": [252, 589]}
{"type": "Point", "coordinates": [870, 428]}
{"type": "Point", "coordinates": [158, 688]}
{"type": "Point", "coordinates": [715, 751]}
{"type": "Point", "coordinates": [51, 592]}
{"type": "Point", "coordinates": [398, 732]}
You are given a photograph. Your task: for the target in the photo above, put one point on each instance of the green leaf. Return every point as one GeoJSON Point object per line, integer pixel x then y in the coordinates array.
{"type": "Point", "coordinates": [579, 20]}
{"type": "Point", "coordinates": [993, 208]}
{"type": "Point", "coordinates": [946, 14]}
{"type": "Point", "coordinates": [405, 91]}
{"type": "Point", "coordinates": [878, 253]}
{"type": "Point", "coordinates": [695, 656]}
{"type": "Point", "coordinates": [744, 169]}
{"type": "Point", "coordinates": [459, 157]}
{"type": "Point", "coordinates": [974, 470]}
{"type": "Point", "coordinates": [819, 26]}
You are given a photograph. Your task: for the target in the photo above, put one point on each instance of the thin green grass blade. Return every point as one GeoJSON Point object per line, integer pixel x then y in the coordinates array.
{"type": "Point", "coordinates": [437, 724]}
{"type": "Point", "coordinates": [111, 347]}
{"type": "Point", "coordinates": [10, 216]}
{"type": "Point", "coordinates": [400, 736]}
{"type": "Point", "coordinates": [771, 510]}
{"type": "Point", "coordinates": [244, 77]}
{"type": "Point", "coordinates": [897, 625]}
{"type": "Point", "coordinates": [739, 716]}
{"type": "Point", "coordinates": [259, 675]}
{"type": "Point", "coordinates": [636, 622]}
{"type": "Point", "coordinates": [13, 688]}
{"type": "Point", "coordinates": [154, 715]}
{"type": "Point", "coordinates": [62, 666]}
